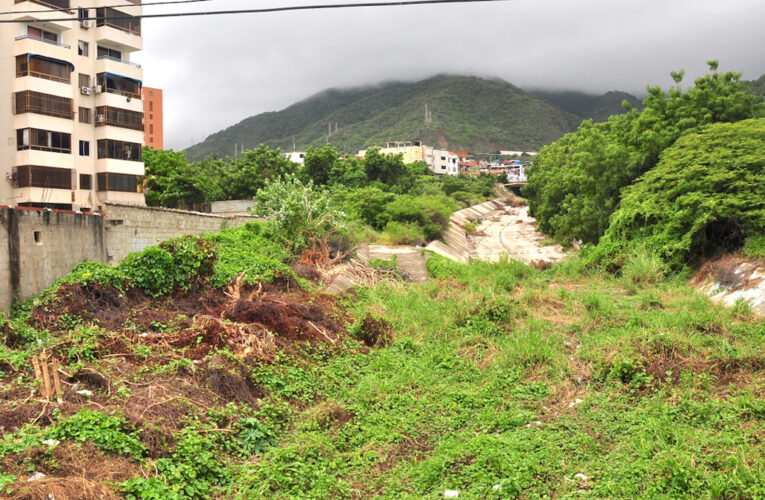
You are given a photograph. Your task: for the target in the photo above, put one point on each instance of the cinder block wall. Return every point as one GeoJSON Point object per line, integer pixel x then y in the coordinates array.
{"type": "Point", "coordinates": [131, 229]}
{"type": "Point", "coordinates": [38, 247]}
{"type": "Point", "coordinates": [42, 246]}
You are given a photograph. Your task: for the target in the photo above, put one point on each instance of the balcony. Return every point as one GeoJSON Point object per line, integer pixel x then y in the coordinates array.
{"type": "Point", "coordinates": [28, 44]}
{"type": "Point", "coordinates": [121, 61]}
{"type": "Point", "coordinates": [43, 104]}
{"type": "Point", "coordinates": [122, 70]}
{"type": "Point", "coordinates": [42, 12]}
{"type": "Point", "coordinates": [118, 29]}
{"type": "Point", "coordinates": [119, 84]}
{"type": "Point", "coordinates": [116, 117]}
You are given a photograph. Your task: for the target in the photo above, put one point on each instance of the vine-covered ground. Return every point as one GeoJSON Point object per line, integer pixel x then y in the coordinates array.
{"type": "Point", "coordinates": [495, 380]}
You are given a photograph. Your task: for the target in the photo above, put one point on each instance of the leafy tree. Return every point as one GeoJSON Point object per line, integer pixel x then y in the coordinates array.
{"type": "Point", "coordinates": [319, 163]}
{"type": "Point", "coordinates": [706, 195]}
{"type": "Point", "coordinates": [159, 165]}
{"type": "Point", "coordinates": [252, 171]}
{"type": "Point", "coordinates": [348, 172]}
{"type": "Point", "coordinates": [575, 183]}
{"type": "Point", "coordinates": [190, 185]}
{"type": "Point", "coordinates": [387, 169]}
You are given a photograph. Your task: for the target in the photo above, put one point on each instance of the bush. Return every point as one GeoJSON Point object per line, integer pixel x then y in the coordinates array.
{"type": "Point", "coordinates": [249, 249]}
{"type": "Point", "coordinates": [399, 233]}
{"type": "Point", "coordinates": [181, 263]}
{"type": "Point", "coordinates": [706, 196]}
{"type": "Point", "coordinates": [575, 183]}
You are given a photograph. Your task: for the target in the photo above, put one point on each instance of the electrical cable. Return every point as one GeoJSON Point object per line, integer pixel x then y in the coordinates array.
{"type": "Point", "coordinates": [145, 4]}
{"type": "Point", "coordinates": [259, 11]}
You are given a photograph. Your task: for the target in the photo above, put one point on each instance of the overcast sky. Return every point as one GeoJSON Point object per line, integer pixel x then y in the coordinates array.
{"type": "Point", "coordinates": [218, 70]}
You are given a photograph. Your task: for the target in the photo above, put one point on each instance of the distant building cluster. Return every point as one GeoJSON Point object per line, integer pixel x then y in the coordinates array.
{"type": "Point", "coordinates": [439, 161]}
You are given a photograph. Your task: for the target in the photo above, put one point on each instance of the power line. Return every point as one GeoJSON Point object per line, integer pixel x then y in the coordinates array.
{"type": "Point", "coordinates": [145, 4]}
{"type": "Point", "coordinates": [260, 11]}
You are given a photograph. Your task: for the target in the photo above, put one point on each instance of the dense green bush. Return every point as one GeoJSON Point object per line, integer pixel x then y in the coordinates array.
{"type": "Point", "coordinates": [576, 182]}
{"type": "Point", "coordinates": [250, 249]}
{"type": "Point", "coordinates": [180, 263]}
{"type": "Point", "coordinates": [706, 195]}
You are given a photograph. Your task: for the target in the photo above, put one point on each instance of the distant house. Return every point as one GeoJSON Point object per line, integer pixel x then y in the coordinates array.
{"type": "Point", "coordinates": [296, 157]}
{"type": "Point", "coordinates": [511, 153]}
{"type": "Point", "coordinates": [439, 161]}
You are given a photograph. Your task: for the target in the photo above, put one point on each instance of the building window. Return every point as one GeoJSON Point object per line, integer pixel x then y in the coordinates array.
{"type": "Point", "coordinates": [120, 182]}
{"type": "Point", "coordinates": [83, 80]}
{"type": "Point", "coordinates": [117, 117]}
{"type": "Point", "coordinates": [151, 128]}
{"type": "Point", "coordinates": [42, 34]}
{"type": "Point", "coordinates": [85, 115]}
{"type": "Point", "coordinates": [108, 53]}
{"type": "Point", "coordinates": [84, 148]}
{"type": "Point", "coordinates": [56, 4]}
{"type": "Point", "coordinates": [151, 140]}
{"type": "Point", "coordinates": [151, 105]}
{"type": "Point", "coordinates": [43, 140]}
{"type": "Point", "coordinates": [119, 150]}
{"type": "Point", "coordinates": [128, 87]}
{"type": "Point", "coordinates": [106, 16]}
{"type": "Point", "coordinates": [86, 181]}
{"type": "Point", "coordinates": [44, 177]}
{"type": "Point", "coordinates": [47, 68]}
{"type": "Point", "coordinates": [28, 101]}
{"type": "Point", "coordinates": [82, 14]}
{"type": "Point", "coordinates": [82, 48]}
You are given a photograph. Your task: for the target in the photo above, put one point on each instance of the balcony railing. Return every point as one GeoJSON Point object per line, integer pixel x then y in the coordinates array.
{"type": "Point", "coordinates": [40, 39]}
{"type": "Point", "coordinates": [116, 59]}
{"type": "Point", "coordinates": [116, 117]}
{"type": "Point", "coordinates": [55, 4]}
{"type": "Point", "coordinates": [106, 16]}
{"type": "Point", "coordinates": [36, 102]}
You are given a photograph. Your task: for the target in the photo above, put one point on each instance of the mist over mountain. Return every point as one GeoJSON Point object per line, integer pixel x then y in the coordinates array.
{"type": "Point", "coordinates": [463, 113]}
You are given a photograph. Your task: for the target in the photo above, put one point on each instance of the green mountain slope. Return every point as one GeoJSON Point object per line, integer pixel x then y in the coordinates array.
{"type": "Point", "coordinates": [468, 113]}
{"type": "Point", "coordinates": [756, 87]}
{"type": "Point", "coordinates": [585, 106]}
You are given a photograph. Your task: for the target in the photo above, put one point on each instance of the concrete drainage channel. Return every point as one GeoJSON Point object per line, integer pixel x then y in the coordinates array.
{"type": "Point", "coordinates": [504, 228]}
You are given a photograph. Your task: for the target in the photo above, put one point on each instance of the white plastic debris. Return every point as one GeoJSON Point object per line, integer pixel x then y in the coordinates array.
{"type": "Point", "coordinates": [51, 442]}
{"type": "Point", "coordinates": [580, 476]}
{"type": "Point", "coordinates": [35, 477]}
{"type": "Point", "coordinates": [84, 392]}
{"type": "Point", "coordinates": [575, 402]}
{"type": "Point", "coordinates": [496, 487]}
{"type": "Point", "coordinates": [451, 494]}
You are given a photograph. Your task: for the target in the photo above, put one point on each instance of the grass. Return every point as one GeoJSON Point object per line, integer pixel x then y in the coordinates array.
{"type": "Point", "coordinates": [502, 381]}
{"type": "Point", "coordinates": [582, 388]}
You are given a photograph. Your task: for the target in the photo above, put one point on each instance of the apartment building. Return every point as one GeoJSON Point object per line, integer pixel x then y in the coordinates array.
{"type": "Point", "coordinates": [152, 113]}
{"type": "Point", "coordinates": [439, 161]}
{"type": "Point", "coordinates": [71, 114]}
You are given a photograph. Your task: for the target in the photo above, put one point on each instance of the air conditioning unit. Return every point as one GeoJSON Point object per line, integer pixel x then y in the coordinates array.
{"type": "Point", "coordinates": [97, 89]}
{"type": "Point", "coordinates": [100, 118]}
{"type": "Point", "coordinates": [85, 90]}
{"type": "Point", "coordinates": [86, 24]}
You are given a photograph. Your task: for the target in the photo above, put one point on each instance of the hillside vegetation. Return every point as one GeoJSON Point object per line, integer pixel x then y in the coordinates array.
{"type": "Point", "coordinates": [597, 108]}
{"type": "Point", "coordinates": [577, 183]}
{"type": "Point", "coordinates": [468, 113]}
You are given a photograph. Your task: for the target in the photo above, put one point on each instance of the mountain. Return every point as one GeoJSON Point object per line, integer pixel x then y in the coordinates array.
{"type": "Point", "coordinates": [589, 106]}
{"type": "Point", "coordinates": [467, 113]}
{"type": "Point", "coordinates": [756, 87]}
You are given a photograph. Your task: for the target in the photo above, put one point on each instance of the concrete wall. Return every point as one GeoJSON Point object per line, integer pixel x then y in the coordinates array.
{"type": "Point", "coordinates": [38, 247]}
{"type": "Point", "coordinates": [41, 246]}
{"type": "Point", "coordinates": [131, 229]}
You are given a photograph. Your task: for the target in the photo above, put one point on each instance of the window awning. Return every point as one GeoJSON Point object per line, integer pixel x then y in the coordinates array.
{"type": "Point", "coordinates": [113, 75]}
{"type": "Point", "coordinates": [53, 60]}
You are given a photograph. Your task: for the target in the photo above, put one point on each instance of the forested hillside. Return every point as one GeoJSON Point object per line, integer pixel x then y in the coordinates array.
{"type": "Point", "coordinates": [468, 113]}
{"type": "Point", "coordinates": [589, 106]}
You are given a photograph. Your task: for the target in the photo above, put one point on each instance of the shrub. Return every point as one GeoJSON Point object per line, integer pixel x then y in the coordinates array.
{"type": "Point", "coordinates": [707, 195]}
{"type": "Point", "coordinates": [398, 233]}
{"type": "Point", "coordinates": [180, 263]}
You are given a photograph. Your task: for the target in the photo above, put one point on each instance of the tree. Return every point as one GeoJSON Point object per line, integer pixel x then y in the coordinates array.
{"type": "Point", "coordinates": [706, 195]}
{"type": "Point", "coordinates": [575, 183]}
{"type": "Point", "coordinates": [319, 164]}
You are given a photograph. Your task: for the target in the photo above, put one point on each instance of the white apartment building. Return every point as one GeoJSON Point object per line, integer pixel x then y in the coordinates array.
{"type": "Point", "coordinates": [71, 116]}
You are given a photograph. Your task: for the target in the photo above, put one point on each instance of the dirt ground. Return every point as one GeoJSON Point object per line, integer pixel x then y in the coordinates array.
{"type": "Point", "coordinates": [513, 233]}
